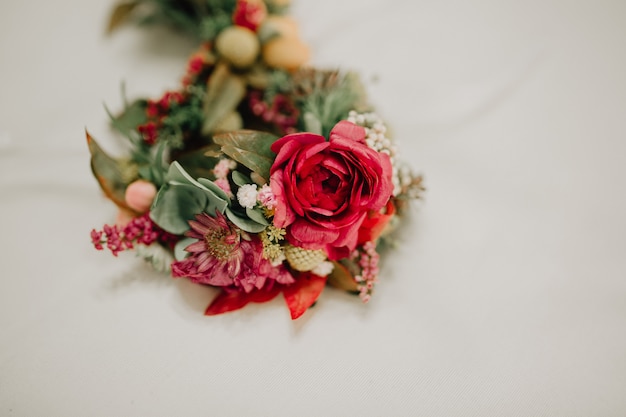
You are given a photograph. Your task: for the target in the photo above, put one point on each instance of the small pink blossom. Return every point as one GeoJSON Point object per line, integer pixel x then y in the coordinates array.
{"type": "Point", "coordinates": [223, 167]}
{"type": "Point", "coordinates": [224, 185]}
{"type": "Point", "coordinates": [266, 197]}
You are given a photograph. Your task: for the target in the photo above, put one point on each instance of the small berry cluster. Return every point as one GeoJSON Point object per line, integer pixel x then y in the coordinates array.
{"type": "Point", "coordinates": [140, 230]}
{"type": "Point", "coordinates": [281, 112]}
{"type": "Point", "coordinates": [367, 259]}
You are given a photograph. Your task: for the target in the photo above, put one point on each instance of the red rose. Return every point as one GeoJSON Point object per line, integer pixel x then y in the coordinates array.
{"type": "Point", "coordinates": [325, 189]}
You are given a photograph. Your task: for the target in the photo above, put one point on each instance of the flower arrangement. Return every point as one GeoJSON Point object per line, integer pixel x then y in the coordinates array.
{"type": "Point", "coordinates": [258, 176]}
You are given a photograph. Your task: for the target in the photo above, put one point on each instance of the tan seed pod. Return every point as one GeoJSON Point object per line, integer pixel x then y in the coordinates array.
{"type": "Point", "coordinates": [238, 45]}
{"type": "Point", "coordinates": [285, 52]}
{"type": "Point", "coordinates": [303, 259]}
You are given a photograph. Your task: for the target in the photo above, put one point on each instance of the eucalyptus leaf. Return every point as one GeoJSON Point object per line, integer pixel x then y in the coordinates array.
{"type": "Point", "coordinates": [214, 188]}
{"type": "Point", "coordinates": [243, 223]}
{"type": "Point", "coordinates": [216, 198]}
{"type": "Point", "coordinates": [175, 205]}
{"type": "Point", "coordinates": [179, 250]}
{"type": "Point", "coordinates": [257, 216]}
{"type": "Point", "coordinates": [240, 179]}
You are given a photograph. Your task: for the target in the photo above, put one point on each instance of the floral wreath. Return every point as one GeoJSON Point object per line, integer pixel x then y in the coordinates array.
{"type": "Point", "coordinates": [259, 175]}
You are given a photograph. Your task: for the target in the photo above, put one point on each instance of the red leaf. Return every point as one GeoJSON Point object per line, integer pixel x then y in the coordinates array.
{"type": "Point", "coordinates": [302, 294]}
{"type": "Point", "coordinates": [375, 223]}
{"type": "Point", "coordinates": [265, 295]}
{"type": "Point", "coordinates": [234, 300]}
{"type": "Point", "coordinates": [227, 301]}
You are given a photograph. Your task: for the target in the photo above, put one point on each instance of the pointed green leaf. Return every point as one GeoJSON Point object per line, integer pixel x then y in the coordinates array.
{"type": "Point", "coordinates": [245, 224]}
{"type": "Point", "coordinates": [175, 205]}
{"type": "Point", "coordinates": [312, 123]}
{"type": "Point", "coordinates": [257, 216]}
{"type": "Point", "coordinates": [214, 188]}
{"type": "Point", "coordinates": [133, 115]}
{"type": "Point", "coordinates": [113, 174]}
{"type": "Point", "coordinates": [224, 93]}
{"type": "Point", "coordinates": [179, 249]}
{"type": "Point", "coordinates": [240, 179]}
{"type": "Point", "coordinates": [250, 148]}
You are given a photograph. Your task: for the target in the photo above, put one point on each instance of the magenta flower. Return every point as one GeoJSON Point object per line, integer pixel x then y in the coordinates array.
{"type": "Point", "coordinates": [224, 255]}
{"type": "Point", "coordinates": [325, 189]}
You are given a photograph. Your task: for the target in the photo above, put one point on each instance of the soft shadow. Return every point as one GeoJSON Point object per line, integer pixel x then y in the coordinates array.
{"type": "Point", "coordinates": [139, 273]}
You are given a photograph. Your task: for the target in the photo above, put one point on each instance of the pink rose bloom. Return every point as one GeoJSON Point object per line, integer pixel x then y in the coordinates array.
{"type": "Point", "coordinates": [324, 189]}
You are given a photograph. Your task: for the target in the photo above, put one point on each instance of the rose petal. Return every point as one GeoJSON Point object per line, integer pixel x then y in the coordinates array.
{"type": "Point", "coordinates": [348, 130]}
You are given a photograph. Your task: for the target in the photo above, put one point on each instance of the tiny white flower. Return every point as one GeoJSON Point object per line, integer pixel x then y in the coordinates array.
{"type": "Point", "coordinates": [278, 260]}
{"type": "Point", "coordinates": [323, 268]}
{"type": "Point", "coordinates": [247, 195]}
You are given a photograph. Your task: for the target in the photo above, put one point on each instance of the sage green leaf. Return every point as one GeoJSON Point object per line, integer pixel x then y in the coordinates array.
{"type": "Point", "coordinates": [175, 205]}
{"type": "Point", "coordinates": [240, 179]}
{"type": "Point", "coordinates": [244, 223]}
{"type": "Point", "coordinates": [257, 216]}
{"type": "Point", "coordinates": [250, 148]}
{"type": "Point", "coordinates": [113, 174]}
{"type": "Point", "coordinates": [133, 115]}
{"type": "Point", "coordinates": [179, 250]}
{"type": "Point", "coordinates": [214, 188]}
{"type": "Point", "coordinates": [224, 93]}
{"type": "Point", "coordinates": [312, 123]}
{"type": "Point", "coordinates": [216, 198]}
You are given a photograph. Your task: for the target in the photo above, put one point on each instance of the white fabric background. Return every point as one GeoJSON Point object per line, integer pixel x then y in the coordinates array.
{"type": "Point", "coordinates": [507, 296]}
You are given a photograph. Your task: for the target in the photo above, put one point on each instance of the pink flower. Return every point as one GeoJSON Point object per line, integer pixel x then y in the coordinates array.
{"type": "Point", "coordinates": [266, 197]}
{"type": "Point", "coordinates": [224, 185]}
{"type": "Point", "coordinates": [224, 255]}
{"type": "Point", "coordinates": [325, 189]}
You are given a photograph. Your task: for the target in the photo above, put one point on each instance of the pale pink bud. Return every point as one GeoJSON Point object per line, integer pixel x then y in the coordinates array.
{"type": "Point", "coordinates": [139, 195]}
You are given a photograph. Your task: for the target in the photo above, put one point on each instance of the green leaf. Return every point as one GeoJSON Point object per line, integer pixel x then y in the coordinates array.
{"type": "Point", "coordinates": [224, 93]}
{"type": "Point", "coordinates": [182, 197]}
{"type": "Point", "coordinates": [214, 188]}
{"type": "Point", "coordinates": [133, 115]}
{"type": "Point", "coordinates": [216, 198]}
{"type": "Point", "coordinates": [244, 223]}
{"type": "Point", "coordinates": [250, 148]}
{"type": "Point", "coordinates": [312, 123]}
{"type": "Point", "coordinates": [240, 179]}
{"type": "Point", "coordinates": [179, 249]}
{"type": "Point", "coordinates": [112, 174]}
{"type": "Point", "coordinates": [175, 205]}
{"type": "Point", "coordinates": [257, 216]}
{"type": "Point", "coordinates": [200, 162]}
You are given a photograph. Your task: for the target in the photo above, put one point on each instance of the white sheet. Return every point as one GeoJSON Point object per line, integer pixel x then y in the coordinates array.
{"type": "Point", "coordinates": [507, 296]}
